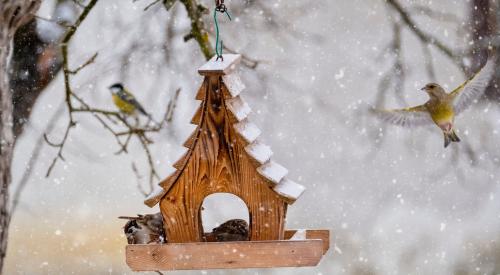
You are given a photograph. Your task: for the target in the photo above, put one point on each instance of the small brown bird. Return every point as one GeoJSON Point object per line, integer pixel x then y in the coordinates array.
{"type": "Point", "coordinates": [442, 107]}
{"type": "Point", "coordinates": [144, 229]}
{"type": "Point", "coordinates": [230, 231]}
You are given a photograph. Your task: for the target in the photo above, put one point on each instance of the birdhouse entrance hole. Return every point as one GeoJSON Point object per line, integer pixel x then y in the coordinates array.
{"type": "Point", "coordinates": [219, 208]}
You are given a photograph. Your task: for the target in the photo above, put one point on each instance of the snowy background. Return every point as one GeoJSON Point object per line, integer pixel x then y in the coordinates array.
{"type": "Point", "coordinates": [396, 204]}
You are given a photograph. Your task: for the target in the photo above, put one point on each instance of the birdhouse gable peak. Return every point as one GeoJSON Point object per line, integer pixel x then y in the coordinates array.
{"type": "Point", "coordinates": [225, 66]}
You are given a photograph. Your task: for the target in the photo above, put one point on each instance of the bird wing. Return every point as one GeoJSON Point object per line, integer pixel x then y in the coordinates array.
{"type": "Point", "coordinates": [127, 96]}
{"type": "Point", "coordinates": [407, 117]}
{"type": "Point", "coordinates": [465, 94]}
{"type": "Point", "coordinates": [139, 107]}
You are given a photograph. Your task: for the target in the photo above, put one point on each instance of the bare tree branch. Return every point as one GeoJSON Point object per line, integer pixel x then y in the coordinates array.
{"type": "Point", "coordinates": [67, 72]}
{"type": "Point", "coordinates": [195, 13]}
{"type": "Point", "coordinates": [423, 36]}
{"type": "Point", "coordinates": [34, 158]}
{"type": "Point", "coordinates": [138, 176]}
{"type": "Point", "coordinates": [88, 62]}
{"type": "Point", "coordinates": [433, 14]}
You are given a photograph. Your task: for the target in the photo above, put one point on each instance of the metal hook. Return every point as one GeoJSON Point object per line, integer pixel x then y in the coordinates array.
{"type": "Point", "coordinates": [219, 7]}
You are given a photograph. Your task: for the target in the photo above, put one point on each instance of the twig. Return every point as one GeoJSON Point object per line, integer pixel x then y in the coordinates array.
{"type": "Point", "coordinates": [151, 4]}
{"type": "Point", "coordinates": [94, 110]}
{"type": "Point", "coordinates": [77, 2]}
{"type": "Point", "coordinates": [34, 158]}
{"type": "Point", "coordinates": [247, 61]}
{"type": "Point", "coordinates": [399, 71]}
{"type": "Point", "coordinates": [425, 37]}
{"type": "Point", "coordinates": [138, 177]}
{"type": "Point", "coordinates": [67, 72]}
{"type": "Point", "coordinates": [437, 15]}
{"type": "Point", "coordinates": [123, 148]}
{"type": "Point", "coordinates": [172, 104]}
{"type": "Point", "coordinates": [152, 170]}
{"type": "Point", "coordinates": [198, 31]}
{"type": "Point", "coordinates": [88, 62]}
{"type": "Point", "coordinates": [393, 79]}
{"type": "Point", "coordinates": [59, 152]}
{"type": "Point", "coordinates": [62, 24]}
{"type": "Point", "coordinates": [428, 62]}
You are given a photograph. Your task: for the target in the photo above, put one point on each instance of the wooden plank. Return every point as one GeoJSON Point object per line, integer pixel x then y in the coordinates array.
{"type": "Point", "coordinates": [169, 181]}
{"type": "Point", "coordinates": [247, 130]}
{"type": "Point", "coordinates": [322, 234]}
{"type": "Point", "coordinates": [179, 164]}
{"type": "Point", "coordinates": [197, 117]}
{"type": "Point", "coordinates": [238, 107]}
{"type": "Point", "coordinates": [289, 189]}
{"type": "Point", "coordinates": [205, 255]}
{"type": "Point", "coordinates": [259, 151]}
{"type": "Point", "coordinates": [155, 197]}
{"type": "Point", "coordinates": [191, 139]}
{"type": "Point", "coordinates": [272, 171]}
{"type": "Point", "coordinates": [219, 67]}
{"type": "Point", "coordinates": [233, 85]}
{"type": "Point", "coordinates": [200, 95]}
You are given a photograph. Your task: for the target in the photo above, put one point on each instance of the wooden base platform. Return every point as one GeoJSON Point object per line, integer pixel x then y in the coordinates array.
{"type": "Point", "coordinates": [224, 255]}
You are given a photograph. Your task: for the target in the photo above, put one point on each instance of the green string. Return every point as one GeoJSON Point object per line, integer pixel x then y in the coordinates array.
{"type": "Point", "coordinates": [218, 50]}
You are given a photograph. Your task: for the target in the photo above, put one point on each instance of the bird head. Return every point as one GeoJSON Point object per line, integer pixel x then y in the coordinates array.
{"type": "Point", "coordinates": [432, 89]}
{"type": "Point", "coordinates": [115, 88]}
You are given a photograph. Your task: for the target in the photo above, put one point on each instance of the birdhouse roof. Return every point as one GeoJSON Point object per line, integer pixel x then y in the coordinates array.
{"type": "Point", "coordinates": [274, 173]}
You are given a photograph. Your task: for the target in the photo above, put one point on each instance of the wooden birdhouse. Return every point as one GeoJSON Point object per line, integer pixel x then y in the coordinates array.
{"type": "Point", "coordinates": [225, 156]}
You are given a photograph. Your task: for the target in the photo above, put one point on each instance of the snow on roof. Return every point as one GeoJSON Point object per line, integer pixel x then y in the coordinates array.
{"type": "Point", "coordinates": [259, 151]}
{"type": "Point", "coordinates": [247, 130]}
{"type": "Point", "coordinates": [233, 84]}
{"type": "Point", "coordinates": [220, 67]}
{"type": "Point", "coordinates": [301, 234]}
{"type": "Point", "coordinates": [272, 171]}
{"type": "Point", "coordinates": [238, 107]}
{"type": "Point", "coordinates": [289, 189]}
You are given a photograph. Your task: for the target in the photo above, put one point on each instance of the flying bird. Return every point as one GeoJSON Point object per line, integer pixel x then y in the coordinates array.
{"type": "Point", "coordinates": [442, 107]}
{"type": "Point", "coordinates": [230, 231]}
{"type": "Point", "coordinates": [144, 229]}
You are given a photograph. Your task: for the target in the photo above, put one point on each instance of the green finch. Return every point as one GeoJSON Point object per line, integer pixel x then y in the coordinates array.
{"type": "Point", "coordinates": [442, 107]}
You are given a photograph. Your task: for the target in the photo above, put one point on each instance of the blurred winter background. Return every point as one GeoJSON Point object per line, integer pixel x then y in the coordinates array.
{"type": "Point", "coordinates": [395, 201]}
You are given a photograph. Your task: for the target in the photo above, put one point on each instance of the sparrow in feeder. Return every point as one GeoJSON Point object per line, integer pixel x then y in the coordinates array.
{"type": "Point", "coordinates": [144, 229]}
{"type": "Point", "coordinates": [230, 231]}
{"type": "Point", "coordinates": [442, 107]}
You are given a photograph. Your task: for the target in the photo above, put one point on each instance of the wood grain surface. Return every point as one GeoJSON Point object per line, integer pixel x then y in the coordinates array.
{"type": "Point", "coordinates": [209, 255]}
{"type": "Point", "coordinates": [216, 162]}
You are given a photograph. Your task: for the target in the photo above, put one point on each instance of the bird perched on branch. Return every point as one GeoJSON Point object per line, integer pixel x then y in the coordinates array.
{"type": "Point", "coordinates": [144, 229]}
{"type": "Point", "coordinates": [125, 101]}
{"type": "Point", "coordinates": [230, 231]}
{"type": "Point", "coordinates": [442, 107]}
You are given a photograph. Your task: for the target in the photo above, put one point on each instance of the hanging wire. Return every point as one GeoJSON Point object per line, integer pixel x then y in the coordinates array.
{"type": "Point", "coordinates": [219, 7]}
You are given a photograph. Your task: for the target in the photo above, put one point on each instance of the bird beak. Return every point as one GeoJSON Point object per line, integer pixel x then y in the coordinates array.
{"type": "Point", "coordinates": [423, 89]}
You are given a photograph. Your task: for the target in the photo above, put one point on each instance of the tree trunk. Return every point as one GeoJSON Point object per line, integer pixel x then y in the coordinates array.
{"type": "Point", "coordinates": [483, 24]}
{"type": "Point", "coordinates": [13, 13]}
{"type": "Point", "coordinates": [40, 61]}
{"type": "Point", "coordinates": [39, 58]}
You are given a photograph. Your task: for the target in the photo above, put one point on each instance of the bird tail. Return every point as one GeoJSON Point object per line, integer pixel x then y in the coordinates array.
{"type": "Point", "coordinates": [450, 137]}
